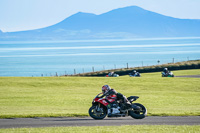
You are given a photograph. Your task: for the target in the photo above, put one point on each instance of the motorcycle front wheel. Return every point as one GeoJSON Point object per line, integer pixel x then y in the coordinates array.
{"type": "Point", "coordinates": [138, 112]}
{"type": "Point", "coordinates": [97, 112]}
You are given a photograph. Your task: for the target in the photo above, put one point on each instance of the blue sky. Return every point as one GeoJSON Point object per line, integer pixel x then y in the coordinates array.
{"type": "Point", "coordinates": [18, 15]}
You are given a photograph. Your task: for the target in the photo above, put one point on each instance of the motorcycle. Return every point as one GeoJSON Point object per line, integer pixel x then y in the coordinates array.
{"type": "Point", "coordinates": [99, 109]}
{"type": "Point", "coordinates": [112, 74]}
{"type": "Point", "coordinates": [137, 74]}
{"type": "Point", "coordinates": [170, 74]}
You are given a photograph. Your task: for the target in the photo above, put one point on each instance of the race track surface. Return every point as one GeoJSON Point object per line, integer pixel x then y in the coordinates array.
{"type": "Point", "coordinates": [87, 121]}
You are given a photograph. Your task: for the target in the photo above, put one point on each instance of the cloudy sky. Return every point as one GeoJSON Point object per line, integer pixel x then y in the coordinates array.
{"type": "Point", "coordinates": [18, 15]}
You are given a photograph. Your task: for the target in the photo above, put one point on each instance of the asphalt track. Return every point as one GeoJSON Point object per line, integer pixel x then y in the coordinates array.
{"type": "Point", "coordinates": [87, 121]}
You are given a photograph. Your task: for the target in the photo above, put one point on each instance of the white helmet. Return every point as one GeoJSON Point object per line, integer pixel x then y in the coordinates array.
{"type": "Point", "coordinates": [165, 69]}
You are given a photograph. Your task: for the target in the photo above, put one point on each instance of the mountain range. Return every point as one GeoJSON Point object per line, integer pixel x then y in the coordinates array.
{"type": "Point", "coordinates": [122, 23]}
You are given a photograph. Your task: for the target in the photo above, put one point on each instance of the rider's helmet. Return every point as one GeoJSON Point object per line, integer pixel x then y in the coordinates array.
{"type": "Point", "coordinates": [105, 88]}
{"type": "Point", "coordinates": [165, 69]}
{"type": "Point", "coordinates": [134, 71]}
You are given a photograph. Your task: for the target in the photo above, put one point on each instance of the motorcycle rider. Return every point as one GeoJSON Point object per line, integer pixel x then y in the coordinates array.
{"type": "Point", "coordinates": [111, 74]}
{"type": "Point", "coordinates": [165, 71]}
{"type": "Point", "coordinates": [107, 91]}
{"type": "Point", "coordinates": [134, 73]}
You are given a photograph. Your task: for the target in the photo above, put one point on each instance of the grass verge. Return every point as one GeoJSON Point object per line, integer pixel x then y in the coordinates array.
{"type": "Point", "coordinates": [110, 129]}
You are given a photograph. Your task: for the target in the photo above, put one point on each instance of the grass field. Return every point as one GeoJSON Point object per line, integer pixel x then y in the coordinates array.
{"type": "Point", "coordinates": [72, 96]}
{"type": "Point", "coordinates": [109, 129]}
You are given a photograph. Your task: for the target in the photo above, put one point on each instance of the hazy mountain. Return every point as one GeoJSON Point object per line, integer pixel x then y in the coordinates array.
{"type": "Point", "coordinates": [128, 22]}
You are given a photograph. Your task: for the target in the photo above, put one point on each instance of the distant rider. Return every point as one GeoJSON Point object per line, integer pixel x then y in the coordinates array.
{"type": "Point", "coordinates": [111, 74]}
{"type": "Point", "coordinates": [134, 73]}
{"type": "Point", "coordinates": [108, 92]}
{"type": "Point", "coordinates": [165, 71]}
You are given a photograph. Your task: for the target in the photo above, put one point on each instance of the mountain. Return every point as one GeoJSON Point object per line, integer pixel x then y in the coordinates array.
{"type": "Point", "coordinates": [128, 22]}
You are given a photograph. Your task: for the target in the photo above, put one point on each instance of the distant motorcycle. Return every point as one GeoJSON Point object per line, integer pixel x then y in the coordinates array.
{"type": "Point", "coordinates": [112, 74]}
{"type": "Point", "coordinates": [137, 74]}
{"type": "Point", "coordinates": [98, 110]}
{"type": "Point", "coordinates": [170, 74]}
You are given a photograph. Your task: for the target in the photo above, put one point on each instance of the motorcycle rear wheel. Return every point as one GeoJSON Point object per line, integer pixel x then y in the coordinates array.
{"type": "Point", "coordinates": [138, 114]}
{"type": "Point", "coordinates": [97, 114]}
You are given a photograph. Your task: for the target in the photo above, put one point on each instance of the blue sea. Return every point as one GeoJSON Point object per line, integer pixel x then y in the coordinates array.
{"type": "Point", "coordinates": [48, 58]}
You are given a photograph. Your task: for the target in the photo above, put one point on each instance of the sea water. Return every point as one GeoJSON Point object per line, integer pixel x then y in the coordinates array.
{"type": "Point", "coordinates": [50, 58]}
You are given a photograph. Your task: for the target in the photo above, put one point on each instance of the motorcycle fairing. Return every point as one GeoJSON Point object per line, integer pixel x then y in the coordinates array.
{"type": "Point", "coordinates": [101, 100]}
{"type": "Point", "coordinates": [104, 101]}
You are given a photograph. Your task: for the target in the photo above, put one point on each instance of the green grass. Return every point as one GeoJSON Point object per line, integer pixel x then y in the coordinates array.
{"type": "Point", "coordinates": [72, 96]}
{"type": "Point", "coordinates": [109, 129]}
